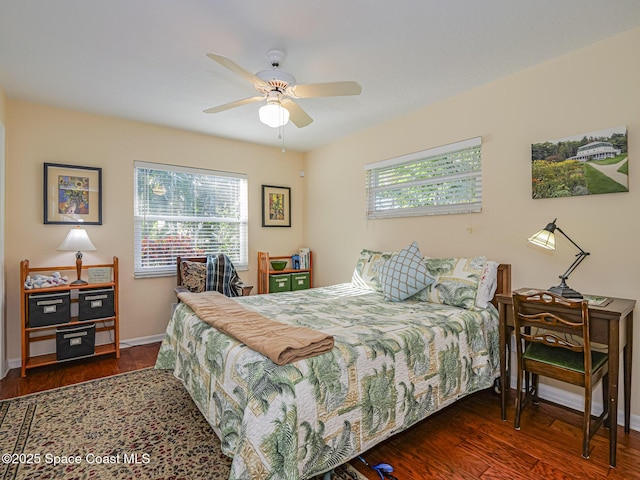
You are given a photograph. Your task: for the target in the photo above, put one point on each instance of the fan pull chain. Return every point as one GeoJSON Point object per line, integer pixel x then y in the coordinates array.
{"type": "Point", "coordinates": [281, 134]}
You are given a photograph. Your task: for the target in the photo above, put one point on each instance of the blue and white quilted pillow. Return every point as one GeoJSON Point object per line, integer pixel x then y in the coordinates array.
{"type": "Point", "coordinates": [404, 274]}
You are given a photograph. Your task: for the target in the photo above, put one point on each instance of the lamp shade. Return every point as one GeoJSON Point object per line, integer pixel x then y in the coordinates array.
{"type": "Point", "coordinates": [545, 238]}
{"type": "Point", "coordinates": [77, 240]}
{"type": "Point", "coordinates": [273, 114]}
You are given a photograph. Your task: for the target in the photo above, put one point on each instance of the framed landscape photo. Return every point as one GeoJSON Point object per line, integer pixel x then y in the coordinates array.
{"type": "Point", "coordinates": [72, 194]}
{"type": "Point", "coordinates": [276, 206]}
{"type": "Point", "coordinates": [585, 164]}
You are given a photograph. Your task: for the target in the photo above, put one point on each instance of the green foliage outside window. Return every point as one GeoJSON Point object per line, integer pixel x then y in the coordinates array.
{"type": "Point", "coordinates": [188, 214]}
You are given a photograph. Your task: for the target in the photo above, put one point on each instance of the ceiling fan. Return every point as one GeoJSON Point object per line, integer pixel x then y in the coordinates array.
{"type": "Point", "coordinates": [279, 89]}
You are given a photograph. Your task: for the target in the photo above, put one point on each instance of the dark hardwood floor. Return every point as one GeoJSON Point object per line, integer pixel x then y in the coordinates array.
{"type": "Point", "coordinates": [469, 441]}
{"type": "Point", "coordinates": [465, 441]}
{"type": "Point", "coordinates": [76, 371]}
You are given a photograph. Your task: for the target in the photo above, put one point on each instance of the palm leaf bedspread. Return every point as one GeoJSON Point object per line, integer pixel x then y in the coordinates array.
{"type": "Point", "coordinates": [393, 364]}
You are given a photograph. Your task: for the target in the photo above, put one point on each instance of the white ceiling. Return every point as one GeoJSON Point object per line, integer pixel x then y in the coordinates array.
{"type": "Point", "coordinates": [146, 59]}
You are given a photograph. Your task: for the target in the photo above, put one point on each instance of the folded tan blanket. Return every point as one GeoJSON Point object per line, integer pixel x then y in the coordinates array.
{"type": "Point", "coordinates": [280, 342]}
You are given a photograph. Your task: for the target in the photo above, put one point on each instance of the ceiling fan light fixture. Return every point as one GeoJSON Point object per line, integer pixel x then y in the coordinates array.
{"type": "Point", "coordinates": [280, 90]}
{"type": "Point", "coordinates": [273, 114]}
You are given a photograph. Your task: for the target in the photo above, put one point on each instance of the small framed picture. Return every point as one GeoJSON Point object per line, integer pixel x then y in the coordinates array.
{"type": "Point", "coordinates": [276, 206]}
{"type": "Point", "coordinates": [99, 274]}
{"type": "Point", "coordinates": [72, 194]}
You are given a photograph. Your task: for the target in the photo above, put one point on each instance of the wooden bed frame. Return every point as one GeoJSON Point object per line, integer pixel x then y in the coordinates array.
{"type": "Point", "coordinates": [503, 283]}
{"type": "Point", "coordinates": [503, 287]}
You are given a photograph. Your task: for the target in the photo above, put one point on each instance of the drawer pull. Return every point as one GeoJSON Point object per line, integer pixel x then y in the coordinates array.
{"type": "Point", "coordinates": [48, 302]}
{"type": "Point", "coordinates": [95, 297]}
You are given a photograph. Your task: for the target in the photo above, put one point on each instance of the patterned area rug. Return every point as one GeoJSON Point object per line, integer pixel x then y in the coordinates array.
{"type": "Point", "coordinates": [140, 425]}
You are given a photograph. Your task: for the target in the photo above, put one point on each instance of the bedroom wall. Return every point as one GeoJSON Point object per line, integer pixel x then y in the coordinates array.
{"type": "Point", "coordinates": [3, 129]}
{"type": "Point", "coordinates": [3, 104]}
{"type": "Point", "coordinates": [587, 90]}
{"type": "Point", "coordinates": [42, 134]}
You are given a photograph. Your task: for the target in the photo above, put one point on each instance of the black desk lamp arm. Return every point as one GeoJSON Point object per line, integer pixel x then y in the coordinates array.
{"type": "Point", "coordinates": [579, 256]}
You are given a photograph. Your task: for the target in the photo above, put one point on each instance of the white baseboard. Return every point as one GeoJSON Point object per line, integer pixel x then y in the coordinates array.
{"type": "Point", "coordinates": [132, 342]}
{"type": "Point", "coordinates": [576, 402]}
{"type": "Point", "coordinates": [572, 400]}
{"type": "Point", "coordinates": [141, 341]}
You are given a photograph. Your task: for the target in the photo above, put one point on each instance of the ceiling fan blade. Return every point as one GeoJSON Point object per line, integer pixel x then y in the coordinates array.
{"type": "Point", "coordinates": [238, 70]}
{"type": "Point", "coordinates": [296, 114]}
{"type": "Point", "coordinates": [331, 89]}
{"type": "Point", "coordinates": [237, 103]}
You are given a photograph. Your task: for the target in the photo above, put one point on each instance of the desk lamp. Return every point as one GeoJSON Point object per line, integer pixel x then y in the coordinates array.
{"type": "Point", "coordinates": [546, 238]}
{"type": "Point", "coordinates": [77, 240]}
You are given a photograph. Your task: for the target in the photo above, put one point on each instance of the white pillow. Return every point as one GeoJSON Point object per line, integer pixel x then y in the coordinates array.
{"type": "Point", "coordinates": [488, 284]}
{"type": "Point", "coordinates": [404, 274]}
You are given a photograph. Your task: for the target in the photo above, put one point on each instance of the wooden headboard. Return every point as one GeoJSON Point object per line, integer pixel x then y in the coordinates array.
{"type": "Point", "coordinates": [504, 281]}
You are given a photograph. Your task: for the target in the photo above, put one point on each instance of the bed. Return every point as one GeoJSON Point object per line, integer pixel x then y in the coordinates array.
{"type": "Point", "coordinates": [393, 363]}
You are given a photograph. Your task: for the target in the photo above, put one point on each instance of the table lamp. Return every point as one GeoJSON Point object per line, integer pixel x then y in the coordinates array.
{"type": "Point", "coordinates": [546, 238]}
{"type": "Point", "coordinates": [77, 240]}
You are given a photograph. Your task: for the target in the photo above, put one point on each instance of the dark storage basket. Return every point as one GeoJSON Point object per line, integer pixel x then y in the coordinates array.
{"type": "Point", "coordinates": [49, 308]}
{"type": "Point", "coordinates": [95, 303]}
{"type": "Point", "coordinates": [76, 341]}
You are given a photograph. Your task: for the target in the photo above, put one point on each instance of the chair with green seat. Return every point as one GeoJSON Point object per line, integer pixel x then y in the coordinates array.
{"type": "Point", "coordinates": [552, 340]}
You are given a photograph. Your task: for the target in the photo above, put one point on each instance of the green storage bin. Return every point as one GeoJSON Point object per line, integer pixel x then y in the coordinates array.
{"type": "Point", "coordinates": [300, 281]}
{"type": "Point", "coordinates": [279, 283]}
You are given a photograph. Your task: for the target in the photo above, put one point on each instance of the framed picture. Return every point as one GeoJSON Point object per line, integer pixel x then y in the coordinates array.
{"type": "Point", "coordinates": [72, 194]}
{"type": "Point", "coordinates": [585, 164]}
{"type": "Point", "coordinates": [276, 206]}
{"type": "Point", "coordinates": [99, 274]}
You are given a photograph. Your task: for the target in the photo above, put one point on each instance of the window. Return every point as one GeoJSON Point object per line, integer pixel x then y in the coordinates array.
{"type": "Point", "coordinates": [180, 211]}
{"type": "Point", "coordinates": [437, 181]}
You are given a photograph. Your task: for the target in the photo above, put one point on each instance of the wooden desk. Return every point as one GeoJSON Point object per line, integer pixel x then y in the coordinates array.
{"type": "Point", "coordinates": [612, 325]}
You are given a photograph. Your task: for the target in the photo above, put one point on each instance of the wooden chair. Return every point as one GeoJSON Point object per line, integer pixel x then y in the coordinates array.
{"type": "Point", "coordinates": [541, 320]}
{"type": "Point", "coordinates": [245, 289]}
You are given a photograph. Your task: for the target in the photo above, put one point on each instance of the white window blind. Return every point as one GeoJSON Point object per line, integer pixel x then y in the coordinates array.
{"type": "Point", "coordinates": [181, 211]}
{"type": "Point", "coordinates": [437, 181]}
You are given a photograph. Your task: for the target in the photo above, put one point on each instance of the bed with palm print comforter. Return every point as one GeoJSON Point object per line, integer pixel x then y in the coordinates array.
{"type": "Point", "coordinates": [393, 364]}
